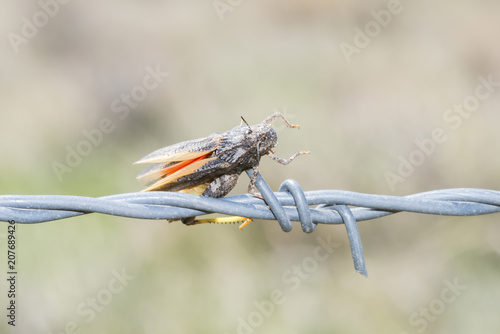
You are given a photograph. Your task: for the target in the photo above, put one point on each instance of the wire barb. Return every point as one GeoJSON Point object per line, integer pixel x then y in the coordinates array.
{"type": "Point", "coordinates": [289, 204]}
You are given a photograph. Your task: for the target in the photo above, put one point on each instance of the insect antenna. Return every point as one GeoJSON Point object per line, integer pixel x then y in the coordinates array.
{"type": "Point", "coordinates": [246, 123]}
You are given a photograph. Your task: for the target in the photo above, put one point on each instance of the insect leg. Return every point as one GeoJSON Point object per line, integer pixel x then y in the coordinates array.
{"type": "Point", "coordinates": [220, 187]}
{"type": "Point", "coordinates": [251, 185]}
{"type": "Point", "coordinates": [279, 115]}
{"type": "Point", "coordinates": [253, 180]}
{"type": "Point", "coordinates": [286, 161]}
{"type": "Point", "coordinates": [223, 220]}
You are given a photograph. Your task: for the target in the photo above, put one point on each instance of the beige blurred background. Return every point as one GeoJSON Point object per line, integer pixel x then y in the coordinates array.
{"type": "Point", "coordinates": [359, 117]}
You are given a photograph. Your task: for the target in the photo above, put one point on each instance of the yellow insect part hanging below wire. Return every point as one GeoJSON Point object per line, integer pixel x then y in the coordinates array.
{"type": "Point", "coordinates": [226, 220]}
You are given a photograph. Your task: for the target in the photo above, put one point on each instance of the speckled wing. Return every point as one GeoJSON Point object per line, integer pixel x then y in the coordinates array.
{"type": "Point", "coordinates": [178, 162]}
{"type": "Point", "coordinates": [183, 151]}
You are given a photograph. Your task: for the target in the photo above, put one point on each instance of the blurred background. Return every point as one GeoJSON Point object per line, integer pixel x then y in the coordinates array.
{"type": "Point", "coordinates": [370, 84]}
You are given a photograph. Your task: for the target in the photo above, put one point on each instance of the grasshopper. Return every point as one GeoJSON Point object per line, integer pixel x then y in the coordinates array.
{"type": "Point", "coordinates": [210, 166]}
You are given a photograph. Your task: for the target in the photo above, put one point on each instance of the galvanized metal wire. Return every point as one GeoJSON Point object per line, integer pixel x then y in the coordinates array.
{"type": "Point", "coordinates": [290, 203]}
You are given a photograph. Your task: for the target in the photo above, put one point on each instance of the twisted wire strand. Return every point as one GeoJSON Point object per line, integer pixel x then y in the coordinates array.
{"type": "Point", "coordinates": [290, 203]}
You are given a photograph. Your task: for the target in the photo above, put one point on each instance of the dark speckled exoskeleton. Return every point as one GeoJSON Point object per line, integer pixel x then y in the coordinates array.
{"type": "Point", "coordinates": [210, 166]}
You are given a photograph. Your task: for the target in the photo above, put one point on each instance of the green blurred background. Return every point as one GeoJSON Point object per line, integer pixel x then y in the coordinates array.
{"type": "Point", "coordinates": [252, 58]}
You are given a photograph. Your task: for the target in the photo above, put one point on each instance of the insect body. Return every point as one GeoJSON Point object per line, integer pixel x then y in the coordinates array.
{"type": "Point", "coordinates": [210, 166]}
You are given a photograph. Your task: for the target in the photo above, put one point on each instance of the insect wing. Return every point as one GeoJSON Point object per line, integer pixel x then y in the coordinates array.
{"type": "Point", "coordinates": [178, 160]}
{"type": "Point", "coordinates": [186, 150]}
{"type": "Point", "coordinates": [154, 173]}
{"type": "Point", "coordinates": [175, 171]}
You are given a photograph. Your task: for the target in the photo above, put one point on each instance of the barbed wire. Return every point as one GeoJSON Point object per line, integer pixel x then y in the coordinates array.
{"type": "Point", "coordinates": [290, 203]}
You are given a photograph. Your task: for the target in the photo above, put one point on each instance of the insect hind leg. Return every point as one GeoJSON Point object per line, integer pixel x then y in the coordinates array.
{"type": "Point", "coordinates": [223, 220]}
{"type": "Point", "coordinates": [220, 187]}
